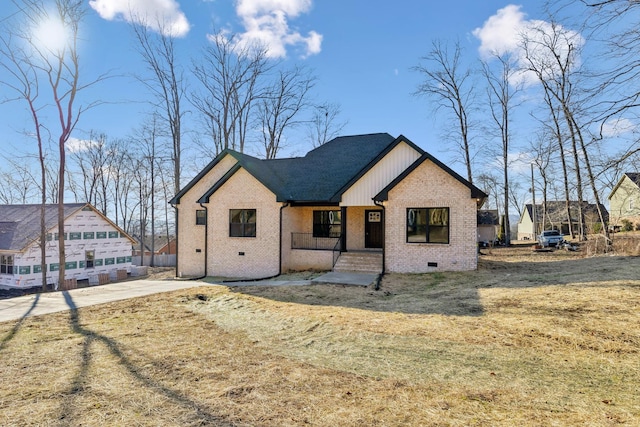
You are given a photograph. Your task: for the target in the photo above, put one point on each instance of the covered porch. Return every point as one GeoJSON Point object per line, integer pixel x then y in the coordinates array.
{"type": "Point", "coordinates": [317, 237]}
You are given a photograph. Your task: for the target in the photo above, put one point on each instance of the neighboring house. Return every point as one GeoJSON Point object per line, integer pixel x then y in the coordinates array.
{"type": "Point", "coordinates": [169, 247]}
{"type": "Point", "coordinates": [252, 218]}
{"type": "Point", "coordinates": [488, 226]}
{"type": "Point", "coordinates": [93, 244]}
{"type": "Point", "coordinates": [164, 251]}
{"type": "Point", "coordinates": [624, 200]}
{"type": "Point", "coordinates": [554, 217]}
{"type": "Point", "coordinates": [160, 244]}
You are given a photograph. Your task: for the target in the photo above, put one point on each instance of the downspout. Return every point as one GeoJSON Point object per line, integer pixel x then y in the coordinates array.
{"type": "Point", "coordinates": [284, 205]}
{"type": "Point", "coordinates": [206, 241]}
{"type": "Point", "coordinates": [175, 207]}
{"type": "Point", "coordinates": [384, 243]}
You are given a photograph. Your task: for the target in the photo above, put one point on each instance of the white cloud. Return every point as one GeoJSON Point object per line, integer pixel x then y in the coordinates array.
{"type": "Point", "coordinates": [617, 127]}
{"type": "Point", "coordinates": [500, 33]}
{"type": "Point", "coordinates": [75, 145]}
{"type": "Point", "coordinates": [159, 15]}
{"type": "Point", "coordinates": [266, 23]}
{"type": "Point", "coordinates": [505, 32]}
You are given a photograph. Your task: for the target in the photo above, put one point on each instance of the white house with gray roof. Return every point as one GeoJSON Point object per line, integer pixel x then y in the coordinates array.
{"type": "Point", "coordinates": [93, 244]}
{"type": "Point", "coordinates": [355, 196]}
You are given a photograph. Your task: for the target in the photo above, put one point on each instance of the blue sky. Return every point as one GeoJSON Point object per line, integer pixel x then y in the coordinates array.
{"type": "Point", "coordinates": [360, 51]}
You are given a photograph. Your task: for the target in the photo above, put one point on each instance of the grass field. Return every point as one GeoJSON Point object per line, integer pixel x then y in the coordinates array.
{"type": "Point", "coordinates": [531, 339]}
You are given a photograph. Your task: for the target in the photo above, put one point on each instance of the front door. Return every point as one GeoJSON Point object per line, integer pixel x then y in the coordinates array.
{"type": "Point", "coordinates": [373, 233]}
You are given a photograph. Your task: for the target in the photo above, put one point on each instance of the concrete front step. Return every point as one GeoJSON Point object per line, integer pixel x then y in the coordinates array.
{"type": "Point", "coordinates": [363, 262]}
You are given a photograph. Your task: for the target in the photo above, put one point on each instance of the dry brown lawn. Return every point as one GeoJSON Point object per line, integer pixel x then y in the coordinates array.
{"type": "Point", "coordinates": [531, 339]}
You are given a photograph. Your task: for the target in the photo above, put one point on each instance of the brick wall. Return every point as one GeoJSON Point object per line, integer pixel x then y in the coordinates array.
{"type": "Point", "coordinates": [429, 186]}
{"type": "Point", "coordinates": [191, 236]}
{"type": "Point", "coordinates": [248, 257]}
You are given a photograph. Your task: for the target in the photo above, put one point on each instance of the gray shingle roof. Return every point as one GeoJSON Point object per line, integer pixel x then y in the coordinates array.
{"type": "Point", "coordinates": [320, 176]}
{"type": "Point", "coordinates": [557, 211]}
{"type": "Point", "coordinates": [20, 224]}
{"type": "Point", "coordinates": [635, 177]}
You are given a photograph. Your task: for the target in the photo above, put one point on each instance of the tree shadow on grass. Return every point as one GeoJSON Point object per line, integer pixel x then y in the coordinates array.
{"type": "Point", "coordinates": [18, 324]}
{"type": "Point", "coordinates": [68, 413]}
{"type": "Point", "coordinates": [422, 294]}
{"type": "Point", "coordinates": [455, 293]}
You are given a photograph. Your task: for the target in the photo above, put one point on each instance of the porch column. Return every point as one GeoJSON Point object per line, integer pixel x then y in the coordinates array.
{"type": "Point", "coordinates": [343, 229]}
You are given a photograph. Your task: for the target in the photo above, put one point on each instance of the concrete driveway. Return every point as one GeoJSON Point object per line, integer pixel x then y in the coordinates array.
{"type": "Point", "coordinates": [17, 308]}
{"type": "Point", "coordinates": [12, 309]}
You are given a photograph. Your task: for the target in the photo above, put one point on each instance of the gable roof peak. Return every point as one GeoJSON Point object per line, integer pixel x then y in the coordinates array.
{"type": "Point", "coordinates": [635, 177]}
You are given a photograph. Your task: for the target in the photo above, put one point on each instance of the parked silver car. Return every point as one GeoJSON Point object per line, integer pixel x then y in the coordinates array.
{"type": "Point", "coordinates": [550, 238]}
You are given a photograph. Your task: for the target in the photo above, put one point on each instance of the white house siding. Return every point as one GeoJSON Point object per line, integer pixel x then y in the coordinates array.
{"type": "Point", "coordinates": [428, 186]}
{"type": "Point", "coordinates": [246, 257]}
{"type": "Point", "coordinates": [525, 228]}
{"type": "Point", "coordinates": [624, 202]}
{"type": "Point", "coordinates": [379, 176]}
{"type": "Point", "coordinates": [191, 236]}
{"type": "Point", "coordinates": [111, 253]}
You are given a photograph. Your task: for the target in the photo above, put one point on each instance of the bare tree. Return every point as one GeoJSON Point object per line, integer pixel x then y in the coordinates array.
{"type": "Point", "coordinates": [280, 107]}
{"type": "Point", "coordinates": [89, 160]}
{"type": "Point", "coordinates": [517, 197]}
{"type": "Point", "coordinates": [490, 184]}
{"type": "Point", "coordinates": [19, 184]}
{"type": "Point", "coordinates": [158, 50]}
{"type": "Point", "coordinates": [502, 88]}
{"type": "Point", "coordinates": [450, 85]}
{"type": "Point", "coordinates": [542, 149]}
{"type": "Point", "coordinates": [229, 77]}
{"type": "Point", "coordinates": [324, 124]}
{"type": "Point", "coordinates": [552, 54]}
{"type": "Point", "coordinates": [148, 161]}
{"type": "Point", "coordinates": [35, 63]}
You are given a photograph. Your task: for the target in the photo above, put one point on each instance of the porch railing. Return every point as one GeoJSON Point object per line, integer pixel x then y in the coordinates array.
{"type": "Point", "coordinates": [309, 242]}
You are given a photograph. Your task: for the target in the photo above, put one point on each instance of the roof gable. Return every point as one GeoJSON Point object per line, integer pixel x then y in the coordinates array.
{"type": "Point", "coordinates": [557, 211]}
{"type": "Point", "coordinates": [476, 193]}
{"type": "Point", "coordinates": [634, 177]}
{"type": "Point", "coordinates": [176, 199]}
{"type": "Point", "coordinates": [325, 173]}
{"type": "Point", "coordinates": [320, 176]}
{"type": "Point", "coordinates": [20, 225]}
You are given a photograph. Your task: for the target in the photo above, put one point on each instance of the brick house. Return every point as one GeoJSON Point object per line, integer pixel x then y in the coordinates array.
{"type": "Point", "coordinates": [624, 200]}
{"type": "Point", "coordinates": [252, 218]}
{"type": "Point", "coordinates": [93, 244]}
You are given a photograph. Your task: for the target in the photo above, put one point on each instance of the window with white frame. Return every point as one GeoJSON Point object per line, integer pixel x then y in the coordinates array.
{"type": "Point", "coordinates": [6, 264]}
{"type": "Point", "coordinates": [89, 259]}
